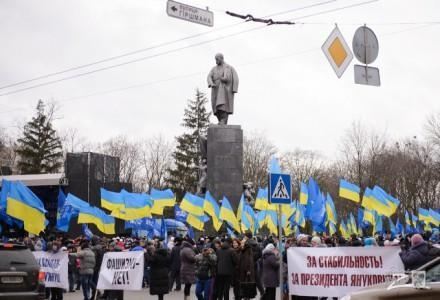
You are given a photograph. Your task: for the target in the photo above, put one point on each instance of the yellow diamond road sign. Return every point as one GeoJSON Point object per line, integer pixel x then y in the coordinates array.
{"type": "Point", "coordinates": [337, 52]}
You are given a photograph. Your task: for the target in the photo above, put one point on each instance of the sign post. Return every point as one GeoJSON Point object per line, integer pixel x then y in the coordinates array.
{"type": "Point", "coordinates": [280, 192]}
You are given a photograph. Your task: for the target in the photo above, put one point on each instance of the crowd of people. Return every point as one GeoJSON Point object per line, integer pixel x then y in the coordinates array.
{"type": "Point", "coordinates": [249, 265]}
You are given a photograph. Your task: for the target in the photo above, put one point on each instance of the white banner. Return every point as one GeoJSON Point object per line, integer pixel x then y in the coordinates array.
{"type": "Point", "coordinates": [335, 272]}
{"type": "Point", "coordinates": [55, 267]}
{"type": "Point", "coordinates": [122, 271]}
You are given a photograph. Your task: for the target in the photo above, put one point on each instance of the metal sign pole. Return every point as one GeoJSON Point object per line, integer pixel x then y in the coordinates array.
{"type": "Point", "coordinates": [280, 236]}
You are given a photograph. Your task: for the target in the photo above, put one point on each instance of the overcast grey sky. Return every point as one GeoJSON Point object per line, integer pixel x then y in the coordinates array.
{"type": "Point", "coordinates": [287, 88]}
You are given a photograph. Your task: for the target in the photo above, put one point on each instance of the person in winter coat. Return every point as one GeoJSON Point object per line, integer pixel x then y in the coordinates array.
{"type": "Point", "coordinates": [187, 267]}
{"type": "Point", "coordinates": [247, 270]}
{"type": "Point", "coordinates": [205, 271]}
{"type": "Point", "coordinates": [175, 264]}
{"type": "Point", "coordinates": [271, 265]}
{"type": "Point", "coordinates": [236, 246]}
{"type": "Point", "coordinates": [417, 255]}
{"type": "Point", "coordinates": [159, 268]}
{"type": "Point", "coordinates": [86, 268]}
{"type": "Point", "coordinates": [226, 261]}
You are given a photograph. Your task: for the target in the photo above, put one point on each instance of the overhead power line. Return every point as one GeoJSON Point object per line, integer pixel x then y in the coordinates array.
{"type": "Point", "coordinates": [174, 50]}
{"type": "Point", "coordinates": [160, 45]}
{"type": "Point", "coordinates": [149, 83]}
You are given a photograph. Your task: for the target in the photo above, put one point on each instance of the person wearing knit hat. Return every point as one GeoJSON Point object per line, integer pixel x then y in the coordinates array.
{"type": "Point", "coordinates": [417, 255]}
{"type": "Point", "coordinates": [317, 242]}
{"type": "Point", "coordinates": [370, 242]}
{"type": "Point", "coordinates": [271, 265]}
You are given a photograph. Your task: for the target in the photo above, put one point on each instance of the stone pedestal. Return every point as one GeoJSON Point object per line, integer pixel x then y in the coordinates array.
{"type": "Point", "coordinates": [225, 162]}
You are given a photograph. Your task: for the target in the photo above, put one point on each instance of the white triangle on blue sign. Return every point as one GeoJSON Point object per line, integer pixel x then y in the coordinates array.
{"type": "Point", "coordinates": [280, 190]}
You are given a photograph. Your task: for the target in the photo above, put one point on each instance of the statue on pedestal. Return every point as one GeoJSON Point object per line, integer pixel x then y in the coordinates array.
{"type": "Point", "coordinates": [223, 81]}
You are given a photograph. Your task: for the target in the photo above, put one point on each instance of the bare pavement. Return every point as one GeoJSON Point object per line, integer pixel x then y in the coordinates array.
{"type": "Point", "coordinates": [143, 295]}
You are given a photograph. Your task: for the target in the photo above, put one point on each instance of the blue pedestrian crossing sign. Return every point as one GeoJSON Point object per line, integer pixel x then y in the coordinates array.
{"type": "Point", "coordinates": [280, 189]}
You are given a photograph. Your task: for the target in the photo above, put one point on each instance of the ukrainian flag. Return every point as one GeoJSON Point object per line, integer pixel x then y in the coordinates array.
{"type": "Point", "coordinates": [393, 203]}
{"type": "Point", "coordinates": [260, 218]}
{"type": "Point", "coordinates": [192, 204]}
{"type": "Point", "coordinates": [343, 229]}
{"type": "Point", "coordinates": [271, 222]}
{"type": "Point", "coordinates": [211, 207]}
{"type": "Point", "coordinates": [93, 215]}
{"type": "Point", "coordinates": [435, 217]}
{"type": "Point", "coordinates": [424, 215]}
{"type": "Point", "coordinates": [288, 209]}
{"type": "Point", "coordinates": [24, 205]}
{"type": "Point", "coordinates": [240, 207]}
{"type": "Point", "coordinates": [161, 199]}
{"type": "Point", "coordinates": [303, 194]}
{"type": "Point", "coordinates": [374, 200]}
{"type": "Point", "coordinates": [195, 221]}
{"type": "Point", "coordinates": [136, 206]}
{"type": "Point", "coordinates": [353, 224]}
{"type": "Point", "coordinates": [261, 201]}
{"type": "Point", "coordinates": [331, 228]}
{"type": "Point", "coordinates": [378, 226]}
{"type": "Point", "coordinates": [111, 200]}
{"type": "Point", "coordinates": [227, 214]}
{"type": "Point", "coordinates": [299, 216]}
{"type": "Point", "coordinates": [331, 210]}
{"type": "Point", "coordinates": [414, 220]}
{"type": "Point", "coordinates": [248, 217]}
{"type": "Point", "coordinates": [349, 191]}
{"type": "Point", "coordinates": [369, 216]}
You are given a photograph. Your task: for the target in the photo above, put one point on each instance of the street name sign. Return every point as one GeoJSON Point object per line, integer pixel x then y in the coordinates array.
{"type": "Point", "coordinates": [190, 13]}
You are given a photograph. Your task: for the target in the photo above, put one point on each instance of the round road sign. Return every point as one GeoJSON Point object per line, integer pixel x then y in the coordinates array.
{"type": "Point", "coordinates": [365, 45]}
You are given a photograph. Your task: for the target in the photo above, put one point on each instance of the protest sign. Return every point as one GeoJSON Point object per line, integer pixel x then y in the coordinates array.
{"type": "Point", "coordinates": [122, 271]}
{"type": "Point", "coordinates": [335, 272]}
{"type": "Point", "coordinates": [55, 267]}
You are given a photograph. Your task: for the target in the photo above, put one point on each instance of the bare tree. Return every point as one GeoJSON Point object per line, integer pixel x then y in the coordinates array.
{"type": "Point", "coordinates": [302, 164]}
{"type": "Point", "coordinates": [73, 142]}
{"type": "Point", "coordinates": [257, 150]}
{"type": "Point", "coordinates": [156, 160]}
{"type": "Point", "coordinates": [432, 128]}
{"type": "Point", "coordinates": [8, 155]}
{"type": "Point", "coordinates": [129, 155]}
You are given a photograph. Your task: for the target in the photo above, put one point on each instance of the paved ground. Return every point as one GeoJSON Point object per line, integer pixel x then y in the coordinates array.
{"type": "Point", "coordinates": [141, 295]}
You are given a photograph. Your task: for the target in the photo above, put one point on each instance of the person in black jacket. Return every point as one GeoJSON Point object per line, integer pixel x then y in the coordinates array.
{"type": "Point", "coordinates": [175, 265]}
{"type": "Point", "coordinates": [160, 266]}
{"type": "Point", "coordinates": [226, 261]}
{"type": "Point", "coordinates": [417, 255]}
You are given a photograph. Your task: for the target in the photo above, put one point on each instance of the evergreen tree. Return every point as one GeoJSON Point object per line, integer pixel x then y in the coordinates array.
{"type": "Point", "coordinates": [39, 148]}
{"type": "Point", "coordinates": [184, 176]}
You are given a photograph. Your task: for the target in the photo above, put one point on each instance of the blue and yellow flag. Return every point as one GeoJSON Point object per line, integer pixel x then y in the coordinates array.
{"type": "Point", "coordinates": [392, 202]}
{"type": "Point", "coordinates": [240, 207]}
{"type": "Point", "coordinates": [424, 215]}
{"type": "Point", "coordinates": [369, 216]}
{"type": "Point", "coordinates": [136, 206]}
{"type": "Point", "coordinates": [261, 201]}
{"type": "Point", "coordinates": [195, 221]}
{"type": "Point", "coordinates": [271, 221]}
{"type": "Point", "coordinates": [331, 210]}
{"type": "Point", "coordinates": [349, 191]}
{"type": "Point", "coordinates": [111, 200]}
{"type": "Point", "coordinates": [211, 207]}
{"type": "Point", "coordinates": [227, 214]}
{"type": "Point", "coordinates": [343, 229]}
{"type": "Point", "coordinates": [331, 228]}
{"type": "Point", "coordinates": [248, 218]}
{"type": "Point", "coordinates": [94, 215]}
{"type": "Point", "coordinates": [303, 194]}
{"type": "Point", "coordinates": [24, 205]}
{"type": "Point", "coordinates": [161, 199]}
{"type": "Point", "coordinates": [374, 200]}
{"type": "Point", "coordinates": [192, 204]}
{"type": "Point", "coordinates": [378, 226]}
{"type": "Point", "coordinates": [435, 217]}
{"type": "Point", "coordinates": [299, 215]}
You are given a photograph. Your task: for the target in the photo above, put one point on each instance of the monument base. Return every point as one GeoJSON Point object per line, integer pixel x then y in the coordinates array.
{"type": "Point", "coordinates": [225, 162]}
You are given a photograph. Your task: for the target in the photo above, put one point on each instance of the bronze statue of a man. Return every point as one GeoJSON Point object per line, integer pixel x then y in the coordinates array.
{"type": "Point", "coordinates": [223, 81]}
